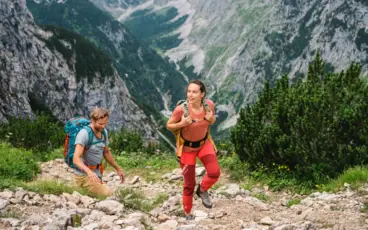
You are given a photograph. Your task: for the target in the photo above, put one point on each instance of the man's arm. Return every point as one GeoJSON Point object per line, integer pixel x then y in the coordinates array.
{"type": "Point", "coordinates": [108, 156]}
{"type": "Point", "coordinates": [77, 160]}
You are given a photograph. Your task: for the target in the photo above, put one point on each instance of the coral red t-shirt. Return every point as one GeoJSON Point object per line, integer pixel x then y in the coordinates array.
{"type": "Point", "coordinates": [197, 130]}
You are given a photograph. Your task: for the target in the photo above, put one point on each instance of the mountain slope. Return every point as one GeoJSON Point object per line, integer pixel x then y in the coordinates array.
{"type": "Point", "coordinates": [59, 72]}
{"type": "Point", "coordinates": [237, 45]}
{"type": "Point", "coordinates": [153, 81]}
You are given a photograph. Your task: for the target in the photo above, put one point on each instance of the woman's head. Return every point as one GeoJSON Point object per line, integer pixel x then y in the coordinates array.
{"type": "Point", "coordinates": [196, 91]}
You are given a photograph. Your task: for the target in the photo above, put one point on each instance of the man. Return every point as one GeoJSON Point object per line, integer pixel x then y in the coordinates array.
{"type": "Point", "coordinates": [89, 172]}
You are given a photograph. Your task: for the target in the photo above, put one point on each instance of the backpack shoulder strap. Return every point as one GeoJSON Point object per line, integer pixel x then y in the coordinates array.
{"type": "Point", "coordinates": [185, 108]}
{"type": "Point", "coordinates": [90, 136]}
{"type": "Point", "coordinates": [104, 134]}
{"type": "Point", "coordinates": [206, 106]}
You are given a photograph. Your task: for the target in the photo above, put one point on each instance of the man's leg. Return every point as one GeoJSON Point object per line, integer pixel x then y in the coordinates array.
{"type": "Point", "coordinates": [93, 187]}
{"type": "Point", "coordinates": [187, 163]}
{"type": "Point", "coordinates": [98, 189]}
{"type": "Point", "coordinates": [80, 181]}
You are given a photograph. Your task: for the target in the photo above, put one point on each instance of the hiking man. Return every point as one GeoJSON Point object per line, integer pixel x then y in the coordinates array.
{"type": "Point", "coordinates": [190, 123]}
{"type": "Point", "coordinates": [89, 170]}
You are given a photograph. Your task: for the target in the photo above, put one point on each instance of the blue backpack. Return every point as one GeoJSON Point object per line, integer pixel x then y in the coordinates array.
{"type": "Point", "coordinates": [72, 128]}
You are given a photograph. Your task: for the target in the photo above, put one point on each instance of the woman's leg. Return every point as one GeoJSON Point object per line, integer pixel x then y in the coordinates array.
{"type": "Point", "coordinates": [188, 163]}
{"type": "Point", "coordinates": [207, 156]}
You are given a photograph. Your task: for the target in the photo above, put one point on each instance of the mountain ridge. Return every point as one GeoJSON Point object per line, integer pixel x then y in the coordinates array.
{"type": "Point", "coordinates": [35, 72]}
{"type": "Point", "coordinates": [238, 45]}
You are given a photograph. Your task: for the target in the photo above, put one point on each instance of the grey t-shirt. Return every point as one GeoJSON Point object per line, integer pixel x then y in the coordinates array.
{"type": "Point", "coordinates": [94, 154]}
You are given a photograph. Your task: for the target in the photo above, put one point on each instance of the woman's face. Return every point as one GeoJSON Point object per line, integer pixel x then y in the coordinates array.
{"type": "Point", "coordinates": [194, 94]}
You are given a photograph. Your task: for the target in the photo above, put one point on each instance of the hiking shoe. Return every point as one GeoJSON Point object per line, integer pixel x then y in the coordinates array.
{"type": "Point", "coordinates": [206, 200]}
{"type": "Point", "coordinates": [189, 217]}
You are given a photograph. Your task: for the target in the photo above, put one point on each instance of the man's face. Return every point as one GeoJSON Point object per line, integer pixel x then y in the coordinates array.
{"type": "Point", "coordinates": [100, 124]}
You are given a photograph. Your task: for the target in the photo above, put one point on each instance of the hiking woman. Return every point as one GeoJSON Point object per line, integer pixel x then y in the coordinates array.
{"type": "Point", "coordinates": [193, 140]}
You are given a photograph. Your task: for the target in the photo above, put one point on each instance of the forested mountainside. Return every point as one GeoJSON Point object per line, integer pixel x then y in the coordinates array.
{"type": "Point", "coordinates": [53, 70]}
{"type": "Point", "coordinates": [237, 45]}
{"type": "Point", "coordinates": [152, 80]}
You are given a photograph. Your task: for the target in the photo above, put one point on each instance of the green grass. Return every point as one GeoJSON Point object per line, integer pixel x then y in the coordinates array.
{"type": "Point", "coordinates": [293, 202]}
{"type": "Point", "coordinates": [16, 164]}
{"type": "Point", "coordinates": [8, 213]}
{"type": "Point", "coordinates": [135, 199]}
{"type": "Point", "coordinates": [150, 167]}
{"type": "Point", "coordinates": [356, 177]}
{"type": "Point", "coordinates": [56, 188]}
{"type": "Point", "coordinates": [10, 183]}
{"type": "Point", "coordinates": [141, 160]}
{"type": "Point", "coordinates": [262, 197]}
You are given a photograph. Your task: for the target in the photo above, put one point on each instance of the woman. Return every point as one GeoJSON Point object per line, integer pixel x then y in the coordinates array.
{"type": "Point", "coordinates": [194, 128]}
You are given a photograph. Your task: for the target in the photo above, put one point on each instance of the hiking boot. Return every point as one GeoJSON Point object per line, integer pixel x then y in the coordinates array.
{"type": "Point", "coordinates": [189, 217]}
{"type": "Point", "coordinates": [206, 200]}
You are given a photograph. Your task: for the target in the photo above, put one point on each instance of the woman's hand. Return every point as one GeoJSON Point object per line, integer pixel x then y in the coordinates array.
{"type": "Point", "coordinates": [209, 116]}
{"type": "Point", "coordinates": [185, 121]}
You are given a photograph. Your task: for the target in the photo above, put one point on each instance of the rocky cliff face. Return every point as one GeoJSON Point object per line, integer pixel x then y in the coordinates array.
{"type": "Point", "coordinates": [153, 82]}
{"type": "Point", "coordinates": [237, 45]}
{"type": "Point", "coordinates": [32, 73]}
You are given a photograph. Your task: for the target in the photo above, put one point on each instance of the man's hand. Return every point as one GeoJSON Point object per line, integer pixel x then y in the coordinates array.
{"type": "Point", "coordinates": [93, 177]}
{"type": "Point", "coordinates": [121, 175]}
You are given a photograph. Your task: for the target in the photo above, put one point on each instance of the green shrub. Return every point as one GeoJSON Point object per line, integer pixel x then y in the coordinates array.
{"type": "Point", "coordinates": [16, 164]}
{"type": "Point", "coordinates": [40, 135]}
{"type": "Point", "coordinates": [224, 148]}
{"type": "Point", "coordinates": [142, 160]}
{"type": "Point", "coordinates": [314, 129]}
{"type": "Point", "coordinates": [125, 140]}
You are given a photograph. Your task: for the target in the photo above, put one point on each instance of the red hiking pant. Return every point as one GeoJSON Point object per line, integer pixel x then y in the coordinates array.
{"type": "Point", "coordinates": [207, 156]}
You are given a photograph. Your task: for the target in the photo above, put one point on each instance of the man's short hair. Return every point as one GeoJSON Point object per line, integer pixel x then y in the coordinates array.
{"type": "Point", "coordinates": [99, 113]}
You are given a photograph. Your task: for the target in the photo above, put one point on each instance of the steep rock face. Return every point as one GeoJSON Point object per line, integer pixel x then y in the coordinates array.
{"type": "Point", "coordinates": [33, 74]}
{"type": "Point", "coordinates": [153, 82]}
{"type": "Point", "coordinates": [237, 45]}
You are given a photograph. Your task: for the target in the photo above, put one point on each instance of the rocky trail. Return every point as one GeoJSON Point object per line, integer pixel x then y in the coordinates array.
{"type": "Point", "coordinates": [234, 207]}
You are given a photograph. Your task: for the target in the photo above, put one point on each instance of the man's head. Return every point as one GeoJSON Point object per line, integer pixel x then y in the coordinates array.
{"type": "Point", "coordinates": [99, 118]}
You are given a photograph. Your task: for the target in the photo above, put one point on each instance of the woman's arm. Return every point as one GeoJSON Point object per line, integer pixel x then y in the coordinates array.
{"type": "Point", "coordinates": [172, 124]}
{"type": "Point", "coordinates": [177, 120]}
